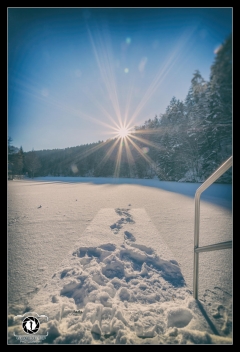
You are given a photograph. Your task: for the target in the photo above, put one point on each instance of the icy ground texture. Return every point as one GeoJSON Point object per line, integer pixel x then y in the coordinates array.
{"type": "Point", "coordinates": [120, 291]}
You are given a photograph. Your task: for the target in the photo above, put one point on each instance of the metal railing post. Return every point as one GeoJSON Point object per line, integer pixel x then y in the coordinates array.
{"type": "Point", "coordinates": [196, 244]}
{"type": "Point", "coordinates": [219, 172]}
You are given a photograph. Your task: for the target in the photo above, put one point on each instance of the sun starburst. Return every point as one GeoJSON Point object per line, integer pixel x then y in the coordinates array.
{"type": "Point", "coordinates": [123, 132]}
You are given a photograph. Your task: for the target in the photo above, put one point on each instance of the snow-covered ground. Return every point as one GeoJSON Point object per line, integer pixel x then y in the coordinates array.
{"type": "Point", "coordinates": [111, 261]}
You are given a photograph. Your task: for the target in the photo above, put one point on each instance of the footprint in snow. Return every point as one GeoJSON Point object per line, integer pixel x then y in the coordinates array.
{"type": "Point", "coordinates": [129, 236]}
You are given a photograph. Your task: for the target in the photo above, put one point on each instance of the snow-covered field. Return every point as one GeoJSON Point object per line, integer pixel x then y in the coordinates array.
{"type": "Point", "coordinates": [110, 261]}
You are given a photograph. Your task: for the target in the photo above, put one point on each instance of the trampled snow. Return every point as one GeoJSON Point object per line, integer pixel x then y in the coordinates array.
{"type": "Point", "coordinates": [113, 263]}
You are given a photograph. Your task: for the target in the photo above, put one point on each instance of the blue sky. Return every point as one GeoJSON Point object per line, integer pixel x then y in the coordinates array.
{"type": "Point", "coordinates": [76, 74]}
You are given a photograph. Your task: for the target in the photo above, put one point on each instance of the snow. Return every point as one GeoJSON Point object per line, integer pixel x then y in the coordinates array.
{"type": "Point", "coordinates": [110, 261]}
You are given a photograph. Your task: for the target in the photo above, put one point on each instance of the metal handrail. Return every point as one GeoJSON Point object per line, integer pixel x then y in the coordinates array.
{"type": "Point", "coordinates": [219, 172]}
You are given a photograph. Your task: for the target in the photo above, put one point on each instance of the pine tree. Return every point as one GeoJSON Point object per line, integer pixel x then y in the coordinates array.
{"type": "Point", "coordinates": [220, 105]}
{"type": "Point", "coordinates": [15, 160]}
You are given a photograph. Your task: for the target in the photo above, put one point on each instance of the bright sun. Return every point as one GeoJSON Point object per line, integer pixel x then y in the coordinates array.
{"type": "Point", "coordinates": [123, 132]}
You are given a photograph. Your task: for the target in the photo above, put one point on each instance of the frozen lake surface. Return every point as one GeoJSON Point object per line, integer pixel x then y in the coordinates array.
{"type": "Point", "coordinates": [50, 219]}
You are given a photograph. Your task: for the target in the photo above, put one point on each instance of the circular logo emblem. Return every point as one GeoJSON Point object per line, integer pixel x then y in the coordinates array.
{"type": "Point", "coordinates": [31, 325]}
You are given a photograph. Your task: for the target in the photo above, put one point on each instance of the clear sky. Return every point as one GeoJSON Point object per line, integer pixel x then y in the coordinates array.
{"type": "Point", "coordinates": [75, 74]}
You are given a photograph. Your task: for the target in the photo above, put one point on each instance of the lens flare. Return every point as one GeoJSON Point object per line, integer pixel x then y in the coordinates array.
{"type": "Point", "coordinates": [145, 150]}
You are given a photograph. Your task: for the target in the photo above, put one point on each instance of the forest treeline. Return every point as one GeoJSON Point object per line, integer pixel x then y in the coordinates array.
{"type": "Point", "coordinates": [186, 143]}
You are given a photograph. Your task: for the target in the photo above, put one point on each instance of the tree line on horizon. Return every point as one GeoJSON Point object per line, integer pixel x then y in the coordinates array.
{"type": "Point", "coordinates": [186, 143]}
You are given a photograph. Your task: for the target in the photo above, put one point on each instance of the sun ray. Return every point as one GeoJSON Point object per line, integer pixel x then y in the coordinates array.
{"type": "Point", "coordinates": [163, 71]}
{"type": "Point", "coordinates": [146, 157]}
{"type": "Point", "coordinates": [118, 161]}
{"type": "Point", "coordinates": [159, 131]}
{"type": "Point", "coordinates": [109, 153]}
{"type": "Point", "coordinates": [106, 69]}
{"type": "Point", "coordinates": [130, 158]}
{"type": "Point", "coordinates": [128, 103]}
{"type": "Point", "coordinates": [145, 141]}
{"type": "Point", "coordinates": [104, 111]}
{"type": "Point", "coordinates": [78, 158]}
{"type": "Point", "coordinates": [35, 92]}
{"type": "Point", "coordinates": [146, 131]}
